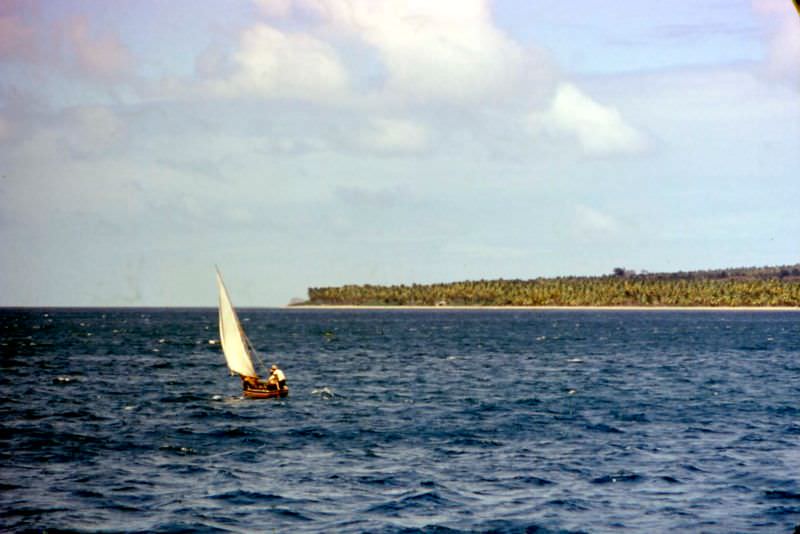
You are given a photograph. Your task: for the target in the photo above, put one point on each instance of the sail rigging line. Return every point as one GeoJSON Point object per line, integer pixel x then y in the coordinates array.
{"type": "Point", "coordinates": [255, 353]}
{"type": "Point", "coordinates": [234, 341]}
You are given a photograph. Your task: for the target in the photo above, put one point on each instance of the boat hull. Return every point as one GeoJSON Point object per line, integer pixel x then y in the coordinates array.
{"type": "Point", "coordinates": [265, 393]}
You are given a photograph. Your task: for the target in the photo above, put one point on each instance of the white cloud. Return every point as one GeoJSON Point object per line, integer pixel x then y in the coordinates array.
{"type": "Point", "coordinates": [271, 63]}
{"type": "Point", "coordinates": [96, 55]}
{"type": "Point", "coordinates": [81, 132]}
{"type": "Point", "coordinates": [17, 39]}
{"type": "Point", "coordinates": [93, 129]}
{"type": "Point", "coordinates": [275, 8]}
{"type": "Point", "coordinates": [591, 223]}
{"type": "Point", "coordinates": [65, 164]}
{"type": "Point", "coordinates": [400, 136]}
{"type": "Point", "coordinates": [430, 53]}
{"type": "Point", "coordinates": [70, 46]}
{"type": "Point", "coordinates": [783, 38]}
{"type": "Point", "coordinates": [599, 130]}
{"type": "Point", "coordinates": [448, 50]}
{"type": "Point", "coordinates": [5, 129]}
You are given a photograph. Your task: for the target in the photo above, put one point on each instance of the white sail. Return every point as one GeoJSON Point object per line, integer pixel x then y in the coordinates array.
{"type": "Point", "coordinates": [234, 345]}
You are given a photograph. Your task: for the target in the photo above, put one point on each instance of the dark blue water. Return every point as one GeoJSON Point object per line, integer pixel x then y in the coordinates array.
{"type": "Point", "coordinates": [402, 421]}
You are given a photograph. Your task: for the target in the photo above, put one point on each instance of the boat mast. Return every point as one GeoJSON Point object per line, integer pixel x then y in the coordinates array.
{"type": "Point", "coordinates": [254, 352]}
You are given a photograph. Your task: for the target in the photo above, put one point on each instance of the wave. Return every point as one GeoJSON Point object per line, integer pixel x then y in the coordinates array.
{"type": "Point", "coordinates": [386, 434]}
{"type": "Point", "coordinates": [620, 477]}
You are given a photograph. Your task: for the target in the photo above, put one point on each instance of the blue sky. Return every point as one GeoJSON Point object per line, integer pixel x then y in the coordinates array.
{"type": "Point", "coordinates": [307, 143]}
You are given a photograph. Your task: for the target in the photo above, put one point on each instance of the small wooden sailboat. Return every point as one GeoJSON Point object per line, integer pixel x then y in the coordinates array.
{"type": "Point", "coordinates": [239, 351]}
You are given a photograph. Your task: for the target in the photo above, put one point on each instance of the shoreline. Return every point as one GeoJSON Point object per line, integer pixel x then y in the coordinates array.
{"type": "Point", "coordinates": [545, 308]}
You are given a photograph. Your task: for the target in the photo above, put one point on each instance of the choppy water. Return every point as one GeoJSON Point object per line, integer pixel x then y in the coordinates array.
{"type": "Point", "coordinates": [399, 421]}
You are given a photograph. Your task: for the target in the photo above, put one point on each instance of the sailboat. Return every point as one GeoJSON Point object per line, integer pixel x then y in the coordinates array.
{"type": "Point", "coordinates": [239, 351]}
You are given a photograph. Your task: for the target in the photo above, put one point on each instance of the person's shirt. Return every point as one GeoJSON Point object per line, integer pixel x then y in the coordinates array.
{"type": "Point", "coordinates": [278, 374]}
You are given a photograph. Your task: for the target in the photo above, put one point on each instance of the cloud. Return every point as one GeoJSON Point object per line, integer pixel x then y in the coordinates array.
{"type": "Point", "coordinates": [70, 46]}
{"type": "Point", "coordinates": [379, 66]}
{"type": "Point", "coordinates": [17, 39]}
{"type": "Point", "coordinates": [771, 7]}
{"type": "Point", "coordinates": [378, 200]}
{"type": "Point", "coordinates": [5, 129]}
{"type": "Point", "coordinates": [95, 55]}
{"type": "Point", "coordinates": [270, 63]}
{"type": "Point", "coordinates": [783, 38]}
{"type": "Point", "coordinates": [443, 51]}
{"type": "Point", "coordinates": [591, 223]}
{"type": "Point", "coordinates": [447, 51]}
{"type": "Point", "coordinates": [93, 130]}
{"type": "Point", "coordinates": [87, 132]}
{"type": "Point", "coordinates": [599, 130]}
{"type": "Point", "coordinates": [275, 8]}
{"type": "Point", "coordinates": [394, 136]}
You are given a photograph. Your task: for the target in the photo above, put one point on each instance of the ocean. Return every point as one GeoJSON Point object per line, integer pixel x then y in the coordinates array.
{"type": "Point", "coordinates": [401, 421]}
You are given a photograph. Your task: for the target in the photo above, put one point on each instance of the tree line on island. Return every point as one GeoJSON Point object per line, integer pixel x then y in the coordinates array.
{"type": "Point", "coordinates": [749, 286]}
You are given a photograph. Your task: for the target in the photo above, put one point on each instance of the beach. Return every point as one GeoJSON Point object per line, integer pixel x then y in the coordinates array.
{"type": "Point", "coordinates": [557, 308]}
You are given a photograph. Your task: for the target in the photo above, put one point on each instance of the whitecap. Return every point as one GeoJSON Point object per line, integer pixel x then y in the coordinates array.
{"type": "Point", "coordinates": [325, 392]}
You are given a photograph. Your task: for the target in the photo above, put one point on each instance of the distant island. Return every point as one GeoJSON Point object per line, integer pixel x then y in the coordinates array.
{"type": "Point", "coordinates": [738, 287]}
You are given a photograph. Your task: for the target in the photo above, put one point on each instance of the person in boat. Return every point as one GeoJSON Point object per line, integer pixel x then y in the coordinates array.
{"type": "Point", "coordinates": [272, 383]}
{"type": "Point", "coordinates": [249, 382]}
{"type": "Point", "coordinates": [277, 377]}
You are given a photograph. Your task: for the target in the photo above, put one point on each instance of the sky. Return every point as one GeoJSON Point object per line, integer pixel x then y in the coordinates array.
{"type": "Point", "coordinates": [313, 143]}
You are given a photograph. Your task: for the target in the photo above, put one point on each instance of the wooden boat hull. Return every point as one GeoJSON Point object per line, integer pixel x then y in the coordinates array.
{"type": "Point", "coordinates": [265, 393]}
